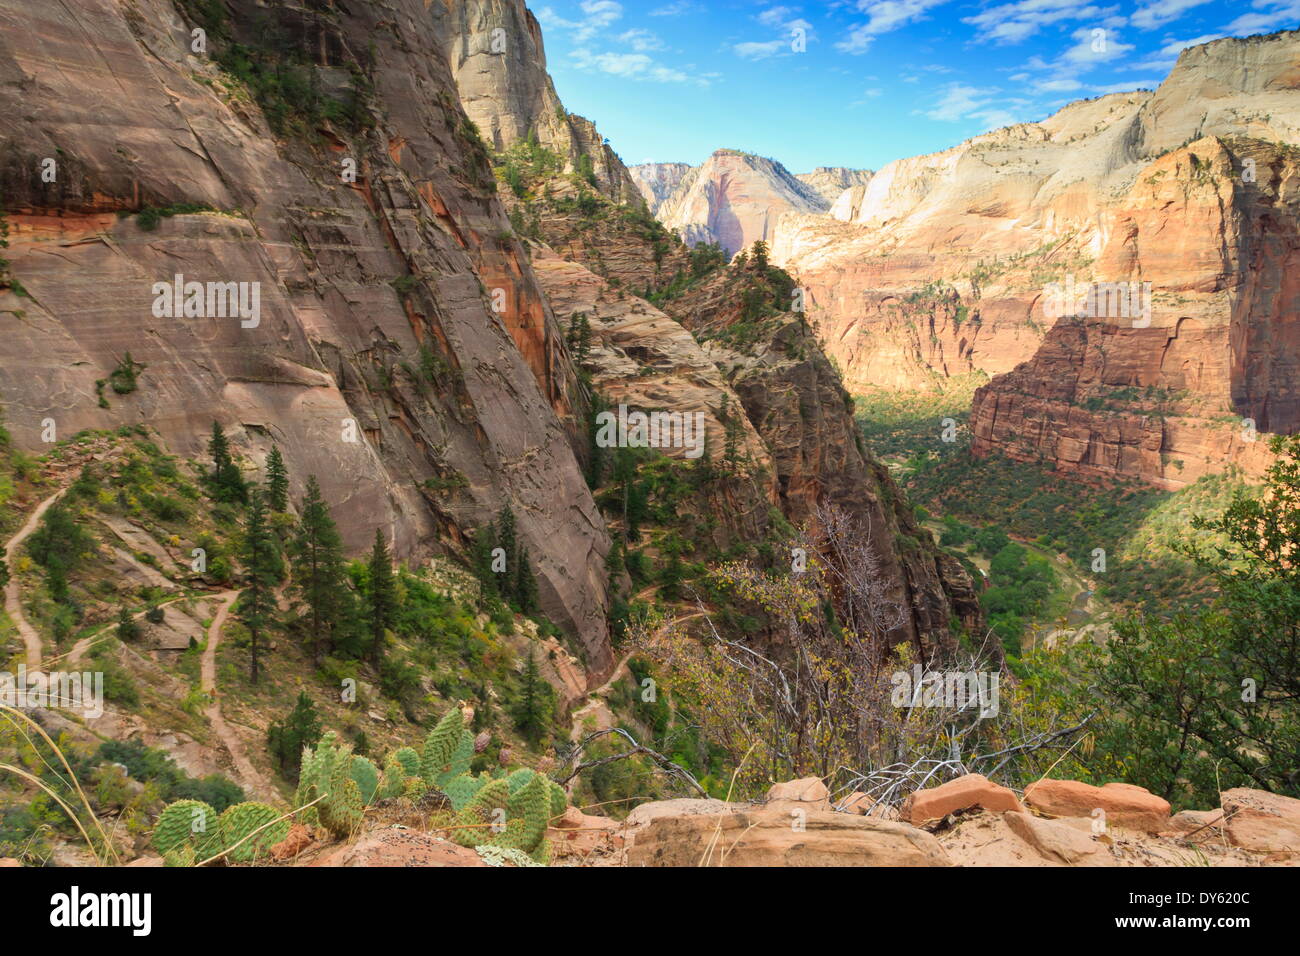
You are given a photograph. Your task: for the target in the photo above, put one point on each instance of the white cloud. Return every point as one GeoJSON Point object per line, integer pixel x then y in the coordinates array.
{"type": "Point", "coordinates": [635, 66]}
{"type": "Point", "coordinates": [883, 16]}
{"type": "Point", "coordinates": [1156, 13]}
{"type": "Point", "coordinates": [1014, 22]}
{"type": "Point", "coordinates": [962, 103]}
{"type": "Point", "coordinates": [791, 28]}
{"type": "Point", "coordinates": [598, 15]}
{"type": "Point", "coordinates": [1274, 15]}
{"type": "Point", "coordinates": [641, 40]}
{"type": "Point", "coordinates": [677, 9]}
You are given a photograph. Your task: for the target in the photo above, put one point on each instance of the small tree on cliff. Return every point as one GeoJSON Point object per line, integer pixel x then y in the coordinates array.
{"type": "Point", "coordinates": [319, 576]}
{"type": "Point", "coordinates": [277, 481]}
{"type": "Point", "coordinates": [381, 596]}
{"type": "Point", "coordinates": [224, 482]}
{"type": "Point", "coordinates": [261, 560]}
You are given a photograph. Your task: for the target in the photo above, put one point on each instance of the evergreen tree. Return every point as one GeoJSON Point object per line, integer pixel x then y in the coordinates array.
{"type": "Point", "coordinates": [320, 579]}
{"type": "Point", "coordinates": [381, 603]}
{"type": "Point", "coordinates": [261, 563]}
{"type": "Point", "coordinates": [480, 559]}
{"type": "Point", "coordinates": [525, 584]}
{"type": "Point", "coordinates": [224, 481]}
{"type": "Point", "coordinates": [277, 482]}
{"type": "Point", "coordinates": [285, 739]}
{"type": "Point", "coordinates": [58, 545]}
{"type": "Point", "coordinates": [127, 629]}
{"type": "Point", "coordinates": [758, 255]}
{"type": "Point", "coordinates": [532, 710]}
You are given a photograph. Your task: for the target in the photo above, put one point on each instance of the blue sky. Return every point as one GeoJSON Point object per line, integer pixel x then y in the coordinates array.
{"type": "Point", "coordinates": [859, 82]}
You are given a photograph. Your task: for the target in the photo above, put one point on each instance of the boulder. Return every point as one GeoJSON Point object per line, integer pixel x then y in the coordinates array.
{"type": "Point", "coordinates": [1197, 825]}
{"type": "Point", "coordinates": [8, 861]}
{"type": "Point", "coordinates": [808, 793]}
{"type": "Point", "coordinates": [865, 805]}
{"type": "Point", "coordinates": [1123, 804]}
{"type": "Point", "coordinates": [575, 833]}
{"type": "Point", "coordinates": [1057, 842]}
{"type": "Point", "coordinates": [773, 838]}
{"type": "Point", "coordinates": [683, 806]}
{"type": "Point", "coordinates": [972, 790]}
{"type": "Point", "coordinates": [397, 847]}
{"type": "Point", "coordinates": [1257, 820]}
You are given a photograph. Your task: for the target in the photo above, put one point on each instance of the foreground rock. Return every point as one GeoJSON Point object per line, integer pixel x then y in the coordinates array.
{"type": "Point", "coordinates": [775, 838]}
{"type": "Point", "coordinates": [396, 847]}
{"type": "Point", "coordinates": [1123, 804]}
{"type": "Point", "coordinates": [1257, 820]}
{"type": "Point", "coordinates": [972, 790]}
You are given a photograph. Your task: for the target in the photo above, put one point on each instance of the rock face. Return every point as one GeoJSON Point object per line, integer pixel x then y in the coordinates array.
{"type": "Point", "coordinates": [495, 51]}
{"type": "Point", "coordinates": [945, 265]}
{"type": "Point", "coordinates": [796, 402]}
{"type": "Point", "coordinates": [1257, 820]}
{"type": "Point", "coordinates": [657, 181]}
{"type": "Point", "coordinates": [775, 838]}
{"type": "Point", "coordinates": [830, 182]}
{"type": "Point", "coordinates": [376, 363]}
{"type": "Point", "coordinates": [735, 199]}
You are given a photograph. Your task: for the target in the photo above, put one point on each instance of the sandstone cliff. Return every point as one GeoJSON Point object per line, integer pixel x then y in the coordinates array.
{"type": "Point", "coordinates": [830, 182]}
{"type": "Point", "coordinates": [735, 199]}
{"type": "Point", "coordinates": [944, 265]}
{"type": "Point", "coordinates": [378, 362]}
{"type": "Point", "coordinates": [658, 180]}
{"type": "Point", "coordinates": [495, 51]}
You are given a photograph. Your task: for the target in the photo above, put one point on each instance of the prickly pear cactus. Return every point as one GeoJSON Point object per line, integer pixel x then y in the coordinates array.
{"type": "Point", "coordinates": [559, 799]}
{"type": "Point", "coordinates": [366, 774]}
{"type": "Point", "coordinates": [327, 773]}
{"type": "Point", "coordinates": [447, 750]}
{"type": "Point", "coordinates": [239, 821]}
{"type": "Point", "coordinates": [495, 817]}
{"type": "Point", "coordinates": [409, 759]}
{"type": "Point", "coordinates": [395, 775]}
{"type": "Point", "coordinates": [184, 823]}
{"type": "Point", "coordinates": [460, 790]}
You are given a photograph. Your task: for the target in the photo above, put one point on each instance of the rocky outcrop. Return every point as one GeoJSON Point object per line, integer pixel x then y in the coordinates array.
{"type": "Point", "coordinates": [657, 181]}
{"type": "Point", "coordinates": [776, 838]}
{"type": "Point", "coordinates": [797, 404]}
{"type": "Point", "coordinates": [941, 266]}
{"type": "Point", "coordinates": [735, 199]}
{"type": "Point", "coordinates": [377, 361]}
{"type": "Point", "coordinates": [830, 182]}
{"type": "Point", "coordinates": [495, 51]}
{"type": "Point", "coordinates": [1165, 395]}
{"type": "Point", "coordinates": [971, 790]}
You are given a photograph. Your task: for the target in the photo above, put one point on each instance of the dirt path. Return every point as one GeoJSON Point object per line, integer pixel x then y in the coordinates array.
{"type": "Point", "coordinates": [13, 590]}
{"type": "Point", "coordinates": [246, 775]}
{"type": "Point", "coordinates": [79, 649]}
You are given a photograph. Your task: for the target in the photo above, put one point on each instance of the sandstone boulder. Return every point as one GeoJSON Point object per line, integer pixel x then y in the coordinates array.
{"type": "Point", "coordinates": [1123, 804]}
{"type": "Point", "coordinates": [402, 848]}
{"type": "Point", "coordinates": [1257, 820]}
{"type": "Point", "coordinates": [771, 838]}
{"type": "Point", "coordinates": [1056, 841]}
{"type": "Point", "coordinates": [808, 793]}
{"type": "Point", "coordinates": [295, 841]}
{"type": "Point", "coordinates": [972, 790]}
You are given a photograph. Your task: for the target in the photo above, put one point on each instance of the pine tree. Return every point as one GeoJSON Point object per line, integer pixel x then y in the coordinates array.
{"type": "Point", "coordinates": [277, 482]}
{"type": "Point", "coordinates": [759, 255]}
{"type": "Point", "coordinates": [381, 602]}
{"type": "Point", "coordinates": [525, 584]}
{"type": "Point", "coordinates": [319, 575]}
{"type": "Point", "coordinates": [480, 559]}
{"type": "Point", "coordinates": [225, 481]}
{"type": "Point", "coordinates": [285, 739]}
{"type": "Point", "coordinates": [531, 711]}
{"type": "Point", "coordinates": [508, 541]}
{"type": "Point", "coordinates": [261, 563]}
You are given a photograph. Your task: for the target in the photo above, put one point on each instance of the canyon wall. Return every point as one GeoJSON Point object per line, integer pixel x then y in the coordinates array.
{"type": "Point", "coordinates": [403, 354]}
{"type": "Point", "coordinates": [949, 265]}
